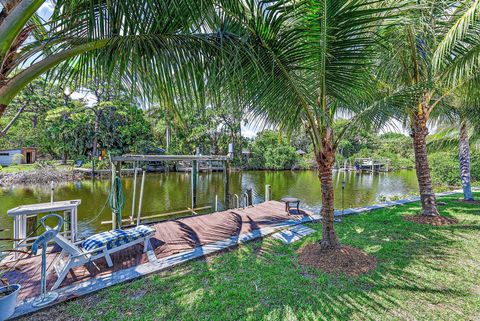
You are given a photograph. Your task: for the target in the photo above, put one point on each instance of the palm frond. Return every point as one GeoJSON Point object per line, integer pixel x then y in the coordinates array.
{"type": "Point", "coordinates": [464, 15]}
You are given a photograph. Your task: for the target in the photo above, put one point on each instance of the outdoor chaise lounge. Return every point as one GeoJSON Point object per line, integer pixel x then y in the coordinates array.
{"type": "Point", "coordinates": [97, 246]}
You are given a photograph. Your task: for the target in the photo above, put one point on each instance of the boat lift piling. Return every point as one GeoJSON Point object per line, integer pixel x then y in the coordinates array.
{"type": "Point", "coordinates": [139, 213]}
{"type": "Point", "coordinates": [135, 172]}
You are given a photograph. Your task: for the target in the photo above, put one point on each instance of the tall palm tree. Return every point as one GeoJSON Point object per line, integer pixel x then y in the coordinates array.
{"type": "Point", "coordinates": [423, 64]}
{"type": "Point", "coordinates": [158, 41]}
{"type": "Point", "coordinates": [458, 53]}
{"type": "Point", "coordinates": [312, 62]}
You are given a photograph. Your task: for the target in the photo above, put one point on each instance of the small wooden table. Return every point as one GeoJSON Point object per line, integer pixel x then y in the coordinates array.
{"type": "Point", "coordinates": [290, 202]}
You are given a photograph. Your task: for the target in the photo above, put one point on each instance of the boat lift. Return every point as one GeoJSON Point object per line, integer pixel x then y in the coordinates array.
{"type": "Point", "coordinates": [117, 162]}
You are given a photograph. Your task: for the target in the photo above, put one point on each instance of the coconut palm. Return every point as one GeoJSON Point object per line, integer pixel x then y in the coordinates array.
{"type": "Point", "coordinates": [161, 41]}
{"type": "Point", "coordinates": [458, 55]}
{"type": "Point", "coordinates": [312, 63]}
{"type": "Point", "coordinates": [429, 62]}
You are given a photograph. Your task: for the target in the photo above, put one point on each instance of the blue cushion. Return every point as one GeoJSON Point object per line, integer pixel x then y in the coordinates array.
{"type": "Point", "coordinates": [116, 238]}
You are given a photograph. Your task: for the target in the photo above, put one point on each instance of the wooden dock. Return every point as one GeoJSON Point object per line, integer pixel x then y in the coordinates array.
{"type": "Point", "coordinates": [372, 164]}
{"type": "Point", "coordinates": [175, 241]}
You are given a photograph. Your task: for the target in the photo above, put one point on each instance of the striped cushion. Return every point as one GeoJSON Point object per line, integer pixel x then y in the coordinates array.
{"type": "Point", "coordinates": [116, 238]}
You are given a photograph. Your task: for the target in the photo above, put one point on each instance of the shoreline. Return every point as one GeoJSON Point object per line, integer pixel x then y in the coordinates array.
{"type": "Point", "coordinates": [38, 176]}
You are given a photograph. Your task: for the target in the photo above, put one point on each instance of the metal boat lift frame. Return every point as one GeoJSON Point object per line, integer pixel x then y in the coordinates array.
{"type": "Point", "coordinates": [117, 162]}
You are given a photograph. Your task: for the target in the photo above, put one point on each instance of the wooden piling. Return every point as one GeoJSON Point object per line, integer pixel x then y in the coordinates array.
{"type": "Point", "coordinates": [268, 193]}
{"type": "Point", "coordinates": [114, 216]}
{"type": "Point", "coordinates": [249, 197]}
{"type": "Point", "coordinates": [194, 173]}
{"type": "Point", "coordinates": [226, 185]}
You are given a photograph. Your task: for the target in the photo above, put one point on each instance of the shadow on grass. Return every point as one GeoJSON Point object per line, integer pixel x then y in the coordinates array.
{"type": "Point", "coordinates": [418, 271]}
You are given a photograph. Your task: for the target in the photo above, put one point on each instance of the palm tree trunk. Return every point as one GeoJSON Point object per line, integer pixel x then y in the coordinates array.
{"type": "Point", "coordinates": [325, 161]}
{"type": "Point", "coordinates": [464, 156]}
{"type": "Point", "coordinates": [419, 135]}
{"type": "Point", "coordinates": [3, 107]}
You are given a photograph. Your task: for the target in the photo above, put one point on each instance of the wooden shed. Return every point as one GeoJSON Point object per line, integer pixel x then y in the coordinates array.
{"type": "Point", "coordinates": [8, 156]}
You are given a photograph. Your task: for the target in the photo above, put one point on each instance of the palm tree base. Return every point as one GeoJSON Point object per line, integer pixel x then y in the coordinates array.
{"type": "Point", "coordinates": [469, 201]}
{"type": "Point", "coordinates": [435, 220]}
{"type": "Point", "coordinates": [329, 245]}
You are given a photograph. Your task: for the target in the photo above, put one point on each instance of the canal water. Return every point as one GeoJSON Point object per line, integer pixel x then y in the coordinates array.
{"type": "Point", "coordinates": [169, 192]}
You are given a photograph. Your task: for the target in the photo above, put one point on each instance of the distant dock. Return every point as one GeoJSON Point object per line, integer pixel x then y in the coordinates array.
{"type": "Point", "coordinates": [366, 164]}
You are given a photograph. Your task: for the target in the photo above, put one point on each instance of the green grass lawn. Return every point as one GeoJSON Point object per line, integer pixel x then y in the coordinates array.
{"type": "Point", "coordinates": [423, 273]}
{"type": "Point", "coordinates": [29, 167]}
{"type": "Point", "coordinates": [17, 168]}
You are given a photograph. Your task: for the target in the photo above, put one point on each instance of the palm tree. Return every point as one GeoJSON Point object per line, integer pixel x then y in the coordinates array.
{"type": "Point", "coordinates": [458, 55]}
{"type": "Point", "coordinates": [426, 65]}
{"type": "Point", "coordinates": [464, 158]}
{"type": "Point", "coordinates": [458, 126]}
{"type": "Point", "coordinates": [149, 42]}
{"type": "Point", "coordinates": [312, 62]}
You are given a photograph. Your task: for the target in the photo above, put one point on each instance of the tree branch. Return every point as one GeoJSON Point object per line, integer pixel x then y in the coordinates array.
{"type": "Point", "coordinates": [12, 121]}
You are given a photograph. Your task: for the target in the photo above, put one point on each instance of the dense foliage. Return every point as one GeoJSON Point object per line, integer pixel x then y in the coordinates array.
{"type": "Point", "coordinates": [62, 127]}
{"type": "Point", "coordinates": [445, 167]}
{"type": "Point", "coordinates": [271, 151]}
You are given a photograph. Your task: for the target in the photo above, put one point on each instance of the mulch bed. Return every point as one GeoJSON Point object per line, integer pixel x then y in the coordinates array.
{"type": "Point", "coordinates": [347, 260]}
{"type": "Point", "coordinates": [431, 220]}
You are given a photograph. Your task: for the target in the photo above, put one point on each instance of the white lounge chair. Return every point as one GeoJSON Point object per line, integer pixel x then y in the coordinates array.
{"type": "Point", "coordinates": [97, 246]}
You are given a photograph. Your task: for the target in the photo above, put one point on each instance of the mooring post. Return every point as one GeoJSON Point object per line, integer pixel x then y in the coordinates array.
{"type": "Point", "coordinates": [114, 216]}
{"type": "Point", "coordinates": [226, 192]}
{"type": "Point", "coordinates": [93, 167]}
{"type": "Point", "coordinates": [249, 197]}
{"type": "Point", "coordinates": [268, 193]}
{"type": "Point", "coordinates": [52, 189]}
{"type": "Point", "coordinates": [194, 183]}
